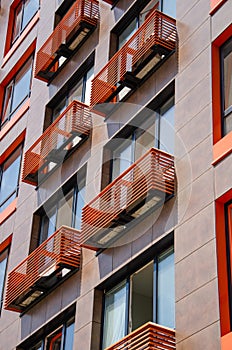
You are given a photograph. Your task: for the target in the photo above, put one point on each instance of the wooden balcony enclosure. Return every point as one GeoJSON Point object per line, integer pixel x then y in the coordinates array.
{"type": "Point", "coordinates": [144, 52]}
{"type": "Point", "coordinates": [49, 264]}
{"type": "Point", "coordinates": [72, 31]}
{"type": "Point", "coordinates": [150, 336]}
{"type": "Point", "coordinates": [64, 135]}
{"type": "Point", "coordinates": [144, 186]}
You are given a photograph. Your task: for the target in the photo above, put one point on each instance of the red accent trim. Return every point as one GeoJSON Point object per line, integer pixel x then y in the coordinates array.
{"type": "Point", "coordinates": [8, 211]}
{"type": "Point", "coordinates": [226, 342]}
{"type": "Point", "coordinates": [222, 262]}
{"type": "Point", "coordinates": [222, 148]}
{"type": "Point", "coordinates": [5, 243]}
{"type": "Point", "coordinates": [19, 64]}
{"type": "Point", "coordinates": [215, 5]}
{"type": "Point", "coordinates": [22, 110]}
{"type": "Point", "coordinates": [17, 43]}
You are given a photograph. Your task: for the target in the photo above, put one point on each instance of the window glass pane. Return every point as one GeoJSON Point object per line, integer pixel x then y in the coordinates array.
{"type": "Point", "coordinates": [115, 315]}
{"type": "Point", "coordinates": [89, 79]}
{"type": "Point", "coordinates": [22, 85]}
{"type": "Point", "coordinates": [48, 225]}
{"type": "Point", "coordinates": [228, 123]}
{"type": "Point", "coordinates": [169, 7]}
{"type": "Point", "coordinates": [79, 205]}
{"type": "Point", "coordinates": [147, 10]}
{"type": "Point", "coordinates": [228, 88]}
{"type": "Point", "coordinates": [30, 9]}
{"type": "Point", "coordinates": [64, 213]}
{"type": "Point", "coordinates": [228, 80]}
{"type": "Point", "coordinates": [127, 33]}
{"type": "Point", "coordinates": [76, 92]}
{"type": "Point", "coordinates": [145, 137]}
{"type": "Point", "coordinates": [10, 177]}
{"type": "Point", "coordinates": [59, 109]}
{"type": "Point", "coordinates": [68, 344]}
{"type": "Point", "coordinates": [166, 290]}
{"type": "Point", "coordinates": [167, 134]}
{"type": "Point", "coordinates": [3, 263]}
{"type": "Point", "coordinates": [7, 101]}
{"type": "Point", "coordinates": [122, 158]}
{"type": "Point", "coordinates": [17, 21]}
{"type": "Point", "coordinates": [142, 296]}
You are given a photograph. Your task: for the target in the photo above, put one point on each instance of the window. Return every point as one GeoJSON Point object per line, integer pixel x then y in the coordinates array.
{"type": "Point", "coordinates": [166, 6]}
{"type": "Point", "coordinates": [157, 131]}
{"type": "Point", "coordinates": [228, 224]}
{"type": "Point", "coordinates": [9, 178]}
{"type": "Point", "coordinates": [146, 295]}
{"type": "Point", "coordinates": [226, 86]}
{"type": "Point", "coordinates": [61, 339]}
{"type": "Point", "coordinates": [17, 91]}
{"type": "Point", "coordinates": [23, 14]}
{"type": "Point", "coordinates": [80, 92]}
{"type": "Point", "coordinates": [66, 210]}
{"type": "Point", "coordinates": [3, 266]}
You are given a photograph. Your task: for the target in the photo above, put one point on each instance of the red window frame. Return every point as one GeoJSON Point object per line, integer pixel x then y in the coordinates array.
{"type": "Point", "coordinates": [10, 209]}
{"type": "Point", "coordinates": [222, 145]}
{"type": "Point", "coordinates": [224, 258]}
{"type": "Point", "coordinates": [23, 34]}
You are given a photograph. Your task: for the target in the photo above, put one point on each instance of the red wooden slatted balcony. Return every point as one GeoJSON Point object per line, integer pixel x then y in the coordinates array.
{"type": "Point", "coordinates": [49, 264]}
{"type": "Point", "coordinates": [140, 55]}
{"type": "Point", "coordinates": [144, 186]}
{"type": "Point", "coordinates": [64, 135]}
{"type": "Point", "coordinates": [78, 23]}
{"type": "Point", "coordinates": [150, 336]}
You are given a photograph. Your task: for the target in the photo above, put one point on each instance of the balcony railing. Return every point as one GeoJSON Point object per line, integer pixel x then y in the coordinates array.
{"type": "Point", "coordinates": [139, 56]}
{"type": "Point", "coordinates": [143, 186]}
{"type": "Point", "coordinates": [67, 37]}
{"type": "Point", "coordinates": [64, 135]}
{"type": "Point", "coordinates": [43, 269]}
{"type": "Point", "coordinates": [150, 336]}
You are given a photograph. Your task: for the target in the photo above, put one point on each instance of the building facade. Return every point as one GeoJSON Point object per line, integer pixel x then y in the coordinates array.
{"type": "Point", "coordinates": [115, 163]}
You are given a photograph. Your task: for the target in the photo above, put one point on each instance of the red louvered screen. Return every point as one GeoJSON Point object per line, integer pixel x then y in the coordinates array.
{"type": "Point", "coordinates": [145, 184]}
{"type": "Point", "coordinates": [150, 336]}
{"type": "Point", "coordinates": [43, 268]}
{"type": "Point", "coordinates": [65, 133]}
{"type": "Point", "coordinates": [70, 33]}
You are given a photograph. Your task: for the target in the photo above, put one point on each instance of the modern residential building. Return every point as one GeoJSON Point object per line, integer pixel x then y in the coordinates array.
{"type": "Point", "coordinates": [115, 174]}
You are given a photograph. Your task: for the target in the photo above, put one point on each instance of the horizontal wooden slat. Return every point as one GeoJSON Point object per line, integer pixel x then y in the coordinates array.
{"type": "Point", "coordinates": [150, 336]}
{"type": "Point", "coordinates": [158, 30]}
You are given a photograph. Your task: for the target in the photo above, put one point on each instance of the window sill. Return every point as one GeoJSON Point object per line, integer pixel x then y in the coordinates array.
{"type": "Point", "coordinates": [20, 39]}
{"type": "Point", "coordinates": [215, 5]}
{"type": "Point", "coordinates": [22, 110]}
{"type": "Point", "coordinates": [226, 341]}
{"type": "Point", "coordinates": [222, 148]}
{"type": "Point", "coordinates": [8, 211]}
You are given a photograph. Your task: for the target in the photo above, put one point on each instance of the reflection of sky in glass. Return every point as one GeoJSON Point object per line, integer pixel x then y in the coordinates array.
{"type": "Point", "coordinates": [9, 181]}
{"type": "Point", "coordinates": [166, 291]}
{"type": "Point", "coordinates": [2, 275]}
